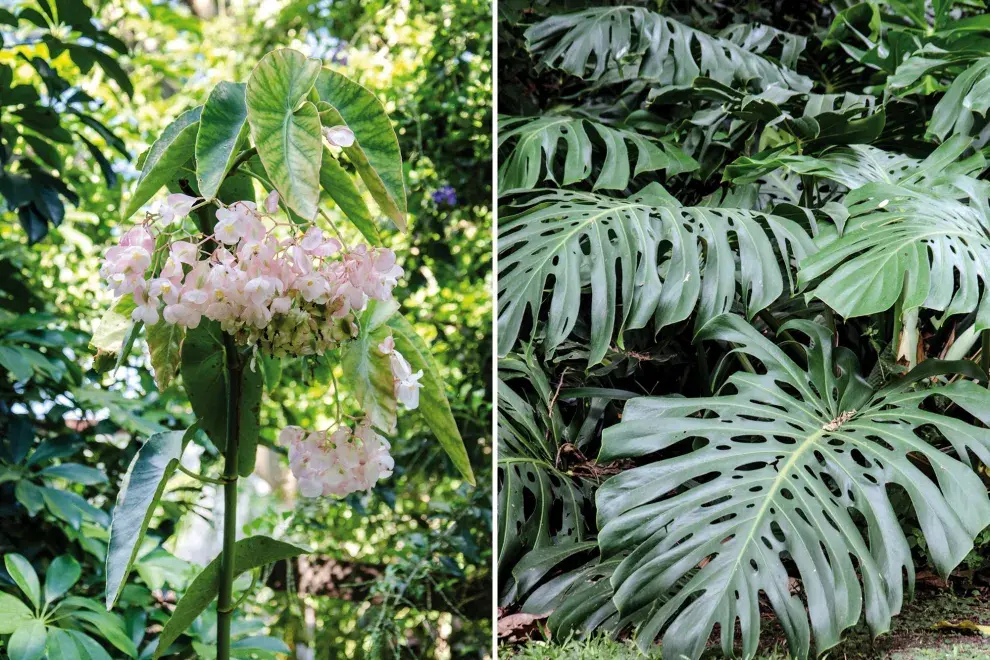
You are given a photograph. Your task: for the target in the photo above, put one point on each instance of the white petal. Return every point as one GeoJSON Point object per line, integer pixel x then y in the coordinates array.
{"type": "Point", "coordinates": [339, 136]}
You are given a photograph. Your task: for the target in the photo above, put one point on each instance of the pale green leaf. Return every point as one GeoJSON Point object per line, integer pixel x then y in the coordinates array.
{"type": "Point", "coordinates": [369, 371]}
{"type": "Point", "coordinates": [61, 645]}
{"type": "Point", "coordinates": [28, 642]}
{"type": "Point", "coordinates": [286, 128]}
{"type": "Point", "coordinates": [114, 325]}
{"type": "Point", "coordinates": [24, 576]}
{"type": "Point", "coordinates": [13, 613]}
{"type": "Point", "coordinates": [164, 345]}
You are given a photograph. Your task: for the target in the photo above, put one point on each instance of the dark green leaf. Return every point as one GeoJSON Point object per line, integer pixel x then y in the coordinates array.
{"type": "Point", "coordinates": [137, 498]}
{"type": "Point", "coordinates": [80, 474]}
{"type": "Point", "coordinates": [62, 575]}
{"type": "Point", "coordinates": [222, 129]}
{"type": "Point", "coordinates": [169, 152]}
{"type": "Point", "coordinates": [204, 376]}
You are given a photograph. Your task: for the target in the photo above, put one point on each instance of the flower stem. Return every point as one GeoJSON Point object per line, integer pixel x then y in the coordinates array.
{"type": "Point", "coordinates": [225, 603]}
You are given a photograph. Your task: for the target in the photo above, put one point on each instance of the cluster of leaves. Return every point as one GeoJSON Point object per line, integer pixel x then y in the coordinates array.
{"type": "Point", "coordinates": [43, 114]}
{"type": "Point", "coordinates": [773, 223]}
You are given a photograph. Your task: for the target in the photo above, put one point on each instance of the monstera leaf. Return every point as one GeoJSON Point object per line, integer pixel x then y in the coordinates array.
{"type": "Point", "coordinates": [539, 505]}
{"type": "Point", "coordinates": [859, 164]}
{"type": "Point", "coordinates": [903, 243]}
{"type": "Point", "coordinates": [615, 44]}
{"type": "Point", "coordinates": [613, 247]}
{"type": "Point", "coordinates": [537, 140]}
{"type": "Point", "coordinates": [789, 475]}
{"type": "Point", "coordinates": [968, 94]}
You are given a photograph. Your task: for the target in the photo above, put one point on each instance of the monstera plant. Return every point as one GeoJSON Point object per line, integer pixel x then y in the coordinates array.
{"type": "Point", "coordinates": [241, 267]}
{"type": "Point", "coordinates": [742, 273]}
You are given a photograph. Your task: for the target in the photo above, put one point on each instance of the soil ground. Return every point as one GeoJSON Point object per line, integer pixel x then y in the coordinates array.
{"type": "Point", "coordinates": [913, 635]}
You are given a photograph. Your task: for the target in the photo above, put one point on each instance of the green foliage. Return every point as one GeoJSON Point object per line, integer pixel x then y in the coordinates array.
{"type": "Point", "coordinates": [753, 347]}
{"type": "Point", "coordinates": [45, 113]}
{"type": "Point", "coordinates": [205, 376]}
{"type": "Point", "coordinates": [223, 131]}
{"type": "Point", "coordinates": [536, 148]}
{"type": "Point", "coordinates": [62, 627]}
{"type": "Point", "coordinates": [368, 368]}
{"type": "Point", "coordinates": [375, 152]}
{"type": "Point", "coordinates": [169, 152]}
{"type": "Point", "coordinates": [579, 238]}
{"type": "Point", "coordinates": [137, 499]}
{"type": "Point", "coordinates": [249, 553]}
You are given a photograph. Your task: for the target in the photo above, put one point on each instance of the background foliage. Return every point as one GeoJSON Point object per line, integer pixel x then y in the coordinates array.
{"type": "Point", "coordinates": [408, 565]}
{"type": "Point", "coordinates": [740, 244]}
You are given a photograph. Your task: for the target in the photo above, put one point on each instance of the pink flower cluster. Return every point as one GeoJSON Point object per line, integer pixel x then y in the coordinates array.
{"type": "Point", "coordinates": [337, 463]}
{"type": "Point", "coordinates": [293, 296]}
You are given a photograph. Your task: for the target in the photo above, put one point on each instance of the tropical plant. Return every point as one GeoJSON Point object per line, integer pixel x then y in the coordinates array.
{"type": "Point", "coordinates": [45, 112]}
{"type": "Point", "coordinates": [52, 623]}
{"type": "Point", "coordinates": [294, 127]}
{"type": "Point", "coordinates": [759, 239]}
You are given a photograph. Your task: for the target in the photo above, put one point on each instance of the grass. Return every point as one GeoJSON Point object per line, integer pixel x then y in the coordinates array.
{"type": "Point", "coordinates": [912, 637]}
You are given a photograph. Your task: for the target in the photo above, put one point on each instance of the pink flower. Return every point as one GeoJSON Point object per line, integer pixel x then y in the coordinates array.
{"type": "Point", "coordinates": [188, 316]}
{"type": "Point", "coordinates": [228, 228]}
{"type": "Point", "coordinates": [175, 207]}
{"type": "Point", "coordinates": [271, 202]}
{"type": "Point", "coordinates": [339, 136]}
{"type": "Point", "coordinates": [147, 307]}
{"type": "Point", "coordinates": [139, 237]}
{"type": "Point", "coordinates": [166, 289]}
{"type": "Point", "coordinates": [184, 252]}
{"type": "Point", "coordinates": [405, 383]}
{"type": "Point", "coordinates": [338, 464]}
{"type": "Point", "coordinates": [312, 286]}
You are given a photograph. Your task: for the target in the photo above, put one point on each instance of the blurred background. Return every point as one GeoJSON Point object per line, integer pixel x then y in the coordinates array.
{"type": "Point", "coordinates": [404, 571]}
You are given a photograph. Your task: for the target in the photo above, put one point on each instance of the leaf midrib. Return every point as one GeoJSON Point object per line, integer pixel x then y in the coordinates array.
{"type": "Point", "coordinates": [809, 442]}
